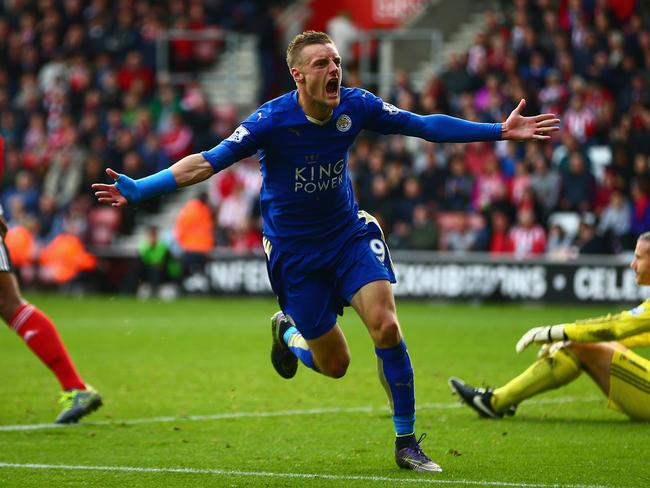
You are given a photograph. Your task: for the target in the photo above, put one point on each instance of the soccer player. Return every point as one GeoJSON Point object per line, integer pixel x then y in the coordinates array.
{"type": "Point", "coordinates": [39, 333]}
{"type": "Point", "coordinates": [322, 252]}
{"type": "Point", "coordinates": [599, 346]}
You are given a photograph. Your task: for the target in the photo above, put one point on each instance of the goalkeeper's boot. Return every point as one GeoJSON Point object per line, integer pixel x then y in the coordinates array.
{"type": "Point", "coordinates": [477, 398]}
{"type": "Point", "coordinates": [413, 457]}
{"type": "Point", "coordinates": [77, 404]}
{"type": "Point", "coordinates": [284, 361]}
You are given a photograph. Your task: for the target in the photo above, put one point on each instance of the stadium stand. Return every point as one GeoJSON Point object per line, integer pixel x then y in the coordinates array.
{"type": "Point", "coordinates": [80, 89]}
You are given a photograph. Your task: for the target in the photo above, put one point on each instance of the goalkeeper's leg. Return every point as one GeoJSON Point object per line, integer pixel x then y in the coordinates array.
{"type": "Point", "coordinates": [552, 371]}
{"type": "Point", "coordinates": [621, 374]}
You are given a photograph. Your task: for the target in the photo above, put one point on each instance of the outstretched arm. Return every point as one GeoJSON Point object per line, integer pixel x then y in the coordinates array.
{"type": "Point", "coordinates": [443, 128]}
{"type": "Point", "coordinates": [187, 171]}
{"type": "Point", "coordinates": [612, 327]}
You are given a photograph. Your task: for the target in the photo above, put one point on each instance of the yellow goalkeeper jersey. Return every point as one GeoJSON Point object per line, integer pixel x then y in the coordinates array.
{"type": "Point", "coordinates": [630, 327]}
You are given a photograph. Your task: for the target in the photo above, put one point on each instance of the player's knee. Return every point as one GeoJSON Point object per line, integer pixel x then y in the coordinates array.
{"type": "Point", "coordinates": [387, 333]}
{"type": "Point", "coordinates": [336, 367]}
{"type": "Point", "coordinates": [590, 352]}
{"type": "Point", "coordinates": [339, 371]}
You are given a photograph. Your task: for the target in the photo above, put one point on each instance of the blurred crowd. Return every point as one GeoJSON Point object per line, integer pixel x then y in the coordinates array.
{"type": "Point", "coordinates": [79, 93]}
{"type": "Point", "coordinates": [587, 191]}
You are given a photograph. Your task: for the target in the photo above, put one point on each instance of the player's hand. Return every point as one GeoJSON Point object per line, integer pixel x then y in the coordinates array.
{"type": "Point", "coordinates": [3, 227]}
{"type": "Point", "coordinates": [551, 348]}
{"type": "Point", "coordinates": [547, 333]}
{"type": "Point", "coordinates": [118, 193]}
{"type": "Point", "coordinates": [520, 128]}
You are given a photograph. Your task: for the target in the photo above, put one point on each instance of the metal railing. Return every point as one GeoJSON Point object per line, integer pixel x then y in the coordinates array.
{"type": "Point", "coordinates": [417, 51]}
{"type": "Point", "coordinates": [382, 52]}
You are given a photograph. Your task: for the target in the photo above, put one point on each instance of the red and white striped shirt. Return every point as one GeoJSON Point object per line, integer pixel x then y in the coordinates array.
{"type": "Point", "coordinates": [528, 241]}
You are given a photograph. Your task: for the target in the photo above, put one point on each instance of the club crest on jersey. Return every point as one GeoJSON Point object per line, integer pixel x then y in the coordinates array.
{"type": "Point", "coordinates": [343, 123]}
{"type": "Point", "coordinates": [239, 134]}
{"type": "Point", "coordinates": [391, 109]}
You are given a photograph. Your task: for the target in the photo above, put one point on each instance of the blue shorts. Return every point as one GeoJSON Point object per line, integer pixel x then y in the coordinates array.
{"type": "Point", "coordinates": [314, 288]}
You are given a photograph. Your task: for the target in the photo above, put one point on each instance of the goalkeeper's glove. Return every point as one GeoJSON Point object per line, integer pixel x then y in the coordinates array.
{"type": "Point", "coordinates": [551, 348]}
{"type": "Point", "coordinates": [547, 333]}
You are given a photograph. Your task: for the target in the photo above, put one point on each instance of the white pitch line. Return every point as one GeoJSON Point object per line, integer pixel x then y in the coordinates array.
{"type": "Point", "coordinates": [268, 474]}
{"type": "Point", "coordinates": [274, 413]}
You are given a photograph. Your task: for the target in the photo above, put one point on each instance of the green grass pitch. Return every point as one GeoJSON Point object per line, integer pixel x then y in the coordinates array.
{"type": "Point", "coordinates": [189, 385]}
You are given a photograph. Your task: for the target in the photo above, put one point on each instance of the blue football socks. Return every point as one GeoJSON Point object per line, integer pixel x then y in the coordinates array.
{"type": "Point", "coordinates": [396, 376]}
{"type": "Point", "coordinates": [299, 347]}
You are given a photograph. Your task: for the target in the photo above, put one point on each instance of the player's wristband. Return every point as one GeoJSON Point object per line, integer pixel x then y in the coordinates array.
{"type": "Point", "coordinates": [148, 187]}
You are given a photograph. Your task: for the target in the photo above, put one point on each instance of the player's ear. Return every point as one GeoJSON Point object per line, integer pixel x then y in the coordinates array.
{"type": "Point", "coordinates": [297, 76]}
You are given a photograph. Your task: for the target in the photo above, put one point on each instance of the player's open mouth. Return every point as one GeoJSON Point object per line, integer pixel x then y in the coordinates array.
{"type": "Point", "coordinates": [332, 86]}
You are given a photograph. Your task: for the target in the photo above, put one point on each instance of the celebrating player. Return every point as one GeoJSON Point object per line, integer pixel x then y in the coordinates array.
{"type": "Point", "coordinates": [39, 333]}
{"type": "Point", "coordinates": [322, 252]}
{"type": "Point", "coordinates": [568, 349]}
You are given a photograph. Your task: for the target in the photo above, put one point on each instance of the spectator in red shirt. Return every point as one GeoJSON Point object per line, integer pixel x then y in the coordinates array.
{"type": "Point", "coordinates": [177, 139]}
{"type": "Point", "coordinates": [134, 70]}
{"type": "Point", "coordinates": [500, 241]}
{"type": "Point", "coordinates": [580, 120]}
{"type": "Point", "coordinates": [528, 237]}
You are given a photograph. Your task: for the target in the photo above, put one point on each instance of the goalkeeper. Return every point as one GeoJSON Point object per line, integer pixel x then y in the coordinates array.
{"type": "Point", "coordinates": [601, 347]}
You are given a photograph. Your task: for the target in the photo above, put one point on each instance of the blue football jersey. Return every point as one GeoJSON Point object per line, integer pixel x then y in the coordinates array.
{"type": "Point", "coordinates": [307, 201]}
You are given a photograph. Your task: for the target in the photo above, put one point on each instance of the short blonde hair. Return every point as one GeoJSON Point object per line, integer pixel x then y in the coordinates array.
{"type": "Point", "coordinates": [304, 39]}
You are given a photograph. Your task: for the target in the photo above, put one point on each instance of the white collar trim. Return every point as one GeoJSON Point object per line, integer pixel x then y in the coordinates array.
{"type": "Point", "coordinates": [319, 122]}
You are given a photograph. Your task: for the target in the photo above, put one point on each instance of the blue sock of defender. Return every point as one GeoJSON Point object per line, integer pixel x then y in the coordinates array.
{"type": "Point", "coordinates": [396, 376]}
{"type": "Point", "coordinates": [297, 344]}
